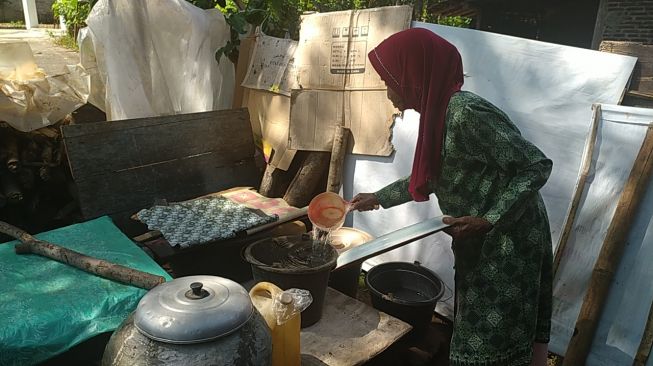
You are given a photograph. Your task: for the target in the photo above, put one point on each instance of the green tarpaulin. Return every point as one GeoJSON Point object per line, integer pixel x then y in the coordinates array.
{"type": "Point", "coordinates": [47, 307]}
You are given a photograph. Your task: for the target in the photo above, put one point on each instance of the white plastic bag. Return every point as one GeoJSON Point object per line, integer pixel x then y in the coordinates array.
{"type": "Point", "coordinates": [30, 99]}
{"type": "Point", "coordinates": [289, 303]}
{"type": "Point", "coordinates": [152, 58]}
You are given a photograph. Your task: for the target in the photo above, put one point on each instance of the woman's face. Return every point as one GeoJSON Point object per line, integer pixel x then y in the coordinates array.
{"type": "Point", "coordinates": [396, 99]}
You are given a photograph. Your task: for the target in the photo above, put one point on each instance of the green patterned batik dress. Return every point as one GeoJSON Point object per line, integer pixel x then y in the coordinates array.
{"type": "Point", "coordinates": [503, 279]}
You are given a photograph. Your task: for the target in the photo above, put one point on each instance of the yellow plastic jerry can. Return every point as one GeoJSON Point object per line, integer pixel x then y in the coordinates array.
{"type": "Point", "coordinates": [285, 336]}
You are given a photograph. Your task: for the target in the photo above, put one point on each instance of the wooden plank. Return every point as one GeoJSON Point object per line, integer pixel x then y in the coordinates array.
{"type": "Point", "coordinates": [570, 218]}
{"type": "Point", "coordinates": [150, 235]}
{"type": "Point", "coordinates": [122, 166]}
{"type": "Point", "coordinates": [642, 85]}
{"type": "Point", "coordinates": [644, 350]}
{"type": "Point", "coordinates": [101, 147]}
{"type": "Point", "coordinates": [178, 180]}
{"type": "Point", "coordinates": [644, 53]}
{"type": "Point", "coordinates": [610, 255]}
{"type": "Point", "coordinates": [637, 99]}
{"type": "Point", "coordinates": [349, 333]}
{"type": "Point", "coordinates": [645, 68]}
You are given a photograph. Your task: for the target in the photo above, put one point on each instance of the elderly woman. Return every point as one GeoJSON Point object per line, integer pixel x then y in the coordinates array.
{"type": "Point", "coordinates": [487, 177]}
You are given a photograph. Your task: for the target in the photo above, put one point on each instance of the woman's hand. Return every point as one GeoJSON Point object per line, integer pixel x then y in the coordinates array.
{"type": "Point", "coordinates": [365, 202]}
{"type": "Point", "coordinates": [466, 227]}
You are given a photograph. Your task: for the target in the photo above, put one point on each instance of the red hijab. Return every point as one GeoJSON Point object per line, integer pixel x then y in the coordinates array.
{"type": "Point", "coordinates": [425, 70]}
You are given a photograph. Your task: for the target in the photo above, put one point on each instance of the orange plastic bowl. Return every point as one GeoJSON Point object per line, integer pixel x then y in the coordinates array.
{"type": "Point", "coordinates": [327, 210]}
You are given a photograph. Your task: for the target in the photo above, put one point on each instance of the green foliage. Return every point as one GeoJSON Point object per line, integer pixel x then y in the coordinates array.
{"type": "Point", "coordinates": [74, 13]}
{"type": "Point", "coordinates": [281, 18]}
{"type": "Point", "coordinates": [17, 24]}
{"type": "Point", "coordinates": [453, 21]}
{"type": "Point", "coordinates": [206, 4]}
{"type": "Point", "coordinates": [66, 41]}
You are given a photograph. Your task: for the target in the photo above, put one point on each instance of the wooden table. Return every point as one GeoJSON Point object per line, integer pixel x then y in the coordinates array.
{"type": "Point", "coordinates": [349, 333]}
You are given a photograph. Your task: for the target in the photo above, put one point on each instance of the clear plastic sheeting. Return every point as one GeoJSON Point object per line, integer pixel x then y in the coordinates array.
{"type": "Point", "coordinates": [30, 99]}
{"type": "Point", "coordinates": [286, 310]}
{"type": "Point", "coordinates": [152, 58]}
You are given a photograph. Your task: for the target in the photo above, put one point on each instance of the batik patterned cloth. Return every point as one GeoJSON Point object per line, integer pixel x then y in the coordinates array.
{"type": "Point", "coordinates": [504, 279]}
{"type": "Point", "coordinates": [202, 220]}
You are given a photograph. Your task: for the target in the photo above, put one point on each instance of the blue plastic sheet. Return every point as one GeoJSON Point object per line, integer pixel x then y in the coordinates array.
{"type": "Point", "coordinates": [47, 307]}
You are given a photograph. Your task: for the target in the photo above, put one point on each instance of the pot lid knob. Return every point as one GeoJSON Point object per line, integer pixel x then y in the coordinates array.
{"type": "Point", "coordinates": [196, 292]}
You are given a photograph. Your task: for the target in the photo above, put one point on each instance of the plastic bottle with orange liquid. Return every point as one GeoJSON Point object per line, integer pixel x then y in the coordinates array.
{"type": "Point", "coordinates": [277, 306]}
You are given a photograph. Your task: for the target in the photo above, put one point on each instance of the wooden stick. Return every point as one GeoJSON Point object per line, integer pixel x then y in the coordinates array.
{"type": "Point", "coordinates": [610, 256]}
{"type": "Point", "coordinates": [338, 152]}
{"type": "Point", "coordinates": [99, 267]}
{"type": "Point", "coordinates": [282, 220]}
{"type": "Point", "coordinates": [588, 153]}
{"type": "Point", "coordinates": [644, 349]}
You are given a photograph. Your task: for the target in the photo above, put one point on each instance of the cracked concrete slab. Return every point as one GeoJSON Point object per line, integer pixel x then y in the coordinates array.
{"type": "Point", "coordinates": [50, 57]}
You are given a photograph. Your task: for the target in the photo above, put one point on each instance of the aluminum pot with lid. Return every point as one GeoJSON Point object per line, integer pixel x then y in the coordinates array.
{"type": "Point", "coordinates": [194, 320]}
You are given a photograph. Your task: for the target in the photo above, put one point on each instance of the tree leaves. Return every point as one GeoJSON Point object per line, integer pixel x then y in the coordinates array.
{"type": "Point", "coordinates": [255, 16]}
{"type": "Point", "coordinates": [237, 21]}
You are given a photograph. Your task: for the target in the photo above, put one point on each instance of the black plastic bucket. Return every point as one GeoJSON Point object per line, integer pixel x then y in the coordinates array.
{"type": "Point", "coordinates": [346, 280]}
{"type": "Point", "coordinates": [270, 263]}
{"type": "Point", "coordinates": [406, 291]}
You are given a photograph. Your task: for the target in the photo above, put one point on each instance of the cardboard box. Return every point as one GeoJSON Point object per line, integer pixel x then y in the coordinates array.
{"type": "Point", "coordinates": [315, 113]}
{"type": "Point", "coordinates": [271, 113]}
{"type": "Point", "coordinates": [266, 85]}
{"type": "Point", "coordinates": [333, 47]}
{"type": "Point", "coordinates": [338, 84]}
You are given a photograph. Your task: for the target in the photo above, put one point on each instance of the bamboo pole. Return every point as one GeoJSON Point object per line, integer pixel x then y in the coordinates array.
{"type": "Point", "coordinates": [610, 255]}
{"type": "Point", "coordinates": [338, 152]}
{"type": "Point", "coordinates": [588, 153]}
{"type": "Point", "coordinates": [644, 350]}
{"type": "Point", "coordinates": [99, 267]}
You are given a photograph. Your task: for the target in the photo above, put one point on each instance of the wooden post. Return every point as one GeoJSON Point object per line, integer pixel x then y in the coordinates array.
{"type": "Point", "coordinates": [338, 152]}
{"type": "Point", "coordinates": [275, 182]}
{"type": "Point", "coordinates": [610, 256]}
{"type": "Point", "coordinates": [644, 350]}
{"type": "Point", "coordinates": [303, 186]}
{"type": "Point", "coordinates": [588, 153]}
{"type": "Point", "coordinates": [267, 183]}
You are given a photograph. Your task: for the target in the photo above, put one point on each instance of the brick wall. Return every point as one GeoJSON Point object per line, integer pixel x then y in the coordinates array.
{"type": "Point", "coordinates": [628, 20]}
{"type": "Point", "coordinates": [12, 10]}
